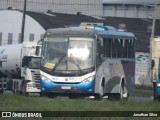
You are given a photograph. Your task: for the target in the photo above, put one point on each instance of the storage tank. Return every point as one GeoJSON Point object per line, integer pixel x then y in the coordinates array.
{"type": "Point", "coordinates": [10, 59]}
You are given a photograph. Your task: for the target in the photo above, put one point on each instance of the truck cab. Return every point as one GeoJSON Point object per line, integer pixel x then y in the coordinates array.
{"type": "Point", "coordinates": [19, 68]}
{"type": "Point", "coordinates": [156, 84]}
{"type": "Point", "coordinates": [155, 67]}
{"type": "Point", "coordinates": [31, 73]}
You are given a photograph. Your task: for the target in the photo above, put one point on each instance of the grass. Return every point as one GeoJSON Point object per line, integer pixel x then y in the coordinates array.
{"type": "Point", "coordinates": [22, 103]}
{"type": "Point", "coordinates": [138, 93]}
{"type": "Point", "coordinates": [143, 87]}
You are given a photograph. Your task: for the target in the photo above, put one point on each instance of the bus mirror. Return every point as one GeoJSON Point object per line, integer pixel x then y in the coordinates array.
{"type": "Point", "coordinates": [152, 64]}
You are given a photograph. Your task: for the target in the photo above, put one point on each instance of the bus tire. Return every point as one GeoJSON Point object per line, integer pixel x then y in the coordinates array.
{"type": "Point", "coordinates": [121, 92]}
{"type": "Point", "coordinates": [102, 90]}
{"type": "Point", "coordinates": [117, 96]}
{"type": "Point", "coordinates": [98, 97]}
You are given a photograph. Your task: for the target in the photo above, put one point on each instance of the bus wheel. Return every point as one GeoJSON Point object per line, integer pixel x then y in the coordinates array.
{"type": "Point", "coordinates": [101, 90]}
{"type": "Point", "coordinates": [98, 97]}
{"type": "Point", "coordinates": [120, 95]}
{"type": "Point", "coordinates": [117, 96]}
{"type": "Point", "coordinates": [121, 92]}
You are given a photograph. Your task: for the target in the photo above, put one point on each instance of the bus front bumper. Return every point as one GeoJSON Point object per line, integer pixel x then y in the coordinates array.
{"type": "Point", "coordinates": [67, 87]}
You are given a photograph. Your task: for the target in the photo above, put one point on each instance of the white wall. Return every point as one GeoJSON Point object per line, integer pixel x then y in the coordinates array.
{"type": "Point", "coordinates": [10, 22]}
{"type": "Point", "coordinates": [128, 11]}
{"type": "Point", "coordinates": [141, 70]}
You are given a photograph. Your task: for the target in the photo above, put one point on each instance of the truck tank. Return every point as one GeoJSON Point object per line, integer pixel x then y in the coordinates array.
{"type": "Point", "coordinates": [10, 59]}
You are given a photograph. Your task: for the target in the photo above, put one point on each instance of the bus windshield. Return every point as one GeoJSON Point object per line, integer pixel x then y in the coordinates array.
{"type": "Point", "coordinates": [68, 54]}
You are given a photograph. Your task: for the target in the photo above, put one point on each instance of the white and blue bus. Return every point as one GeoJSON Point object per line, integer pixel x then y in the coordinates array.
{"type": "Point", "coordinates": [89, 62]}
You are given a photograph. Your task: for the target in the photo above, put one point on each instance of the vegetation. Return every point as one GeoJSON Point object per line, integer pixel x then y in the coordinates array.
{"type": "Point", "coordinates": [22, 103]}
{"type": "Point", "coordinates": [142, 93]}
{"type": "Point", "coordinates": [143, 87]}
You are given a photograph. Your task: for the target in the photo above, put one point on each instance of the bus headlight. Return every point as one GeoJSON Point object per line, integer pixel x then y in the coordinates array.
{"type": "Point", "coordinates": [89, 79]}
{"type": "Point", "coordinates": [45, 79]}
{"type": "Point", "coordinates": [158, 84]}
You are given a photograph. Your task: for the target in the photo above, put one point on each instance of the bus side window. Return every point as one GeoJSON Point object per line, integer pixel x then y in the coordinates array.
{"type": "Point", "coordinates": [114, 48]}
{"type": "Point", "coordinates": [133, 49]}
{"type": "Point", "coordinates": [118, 48]}
{"type": "Point", "coordinates": [106, 47]}
{"type": "Point", "coordinates": [129, 48]}
{"type": "Point", "coordinates": [100, 49]}
{"type": "Point", "coordinates": [124, 49]}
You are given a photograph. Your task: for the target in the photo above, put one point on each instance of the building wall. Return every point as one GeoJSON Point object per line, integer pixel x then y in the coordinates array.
{"type": "Point", "coordinates": [89, 7]}
{"type": "Point", "coordinates": [141, 70]}
{"type": "Point", "coordinates": [10, 22]}
{"type": "Point", "coordinates": [128, 11]}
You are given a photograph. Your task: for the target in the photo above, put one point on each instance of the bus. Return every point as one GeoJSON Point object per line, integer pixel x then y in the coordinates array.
{"type": "Point", "coordinates": [89, 62]}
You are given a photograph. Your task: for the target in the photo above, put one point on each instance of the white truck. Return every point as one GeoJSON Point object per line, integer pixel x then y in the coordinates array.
{"type": "Point", "coordinates": [19, 68]}
{"type": "Point", "coordinates": [155, 67]}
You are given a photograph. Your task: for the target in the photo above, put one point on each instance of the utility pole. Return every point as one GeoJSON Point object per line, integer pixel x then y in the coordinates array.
{"type": "Point", "coordinates": [153, 30]}
{"type": "Point", "coordinates": [23, 21]}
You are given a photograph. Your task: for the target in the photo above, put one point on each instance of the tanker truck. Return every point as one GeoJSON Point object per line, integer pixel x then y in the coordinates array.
{"type": "Point", "coordinates": [19, 68]}
{"type": "Point", "coordinates": [155, 67]}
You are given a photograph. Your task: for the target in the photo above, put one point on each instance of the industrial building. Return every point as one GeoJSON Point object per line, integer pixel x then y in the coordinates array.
{"type": "Point", "coordinates": [107, 8]}
{"type": "Point", "coordinates": [130, 8]}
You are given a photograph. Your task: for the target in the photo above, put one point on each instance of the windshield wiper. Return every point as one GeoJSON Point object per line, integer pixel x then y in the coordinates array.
{"type": "Point", "coordinates": [59, 61]}
{"type": "Point", "coordinates": [75, 62]}
{"type": "Point", "coordinates": [73, 59]}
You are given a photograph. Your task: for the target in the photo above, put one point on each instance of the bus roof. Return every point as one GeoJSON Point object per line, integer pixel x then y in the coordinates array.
{"type": "Point", "coordinates": [78, 31]}
{"type": "Point", "coordinates": [71, 31]}
{"type": "Point", "coordinates": [116, 34]}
